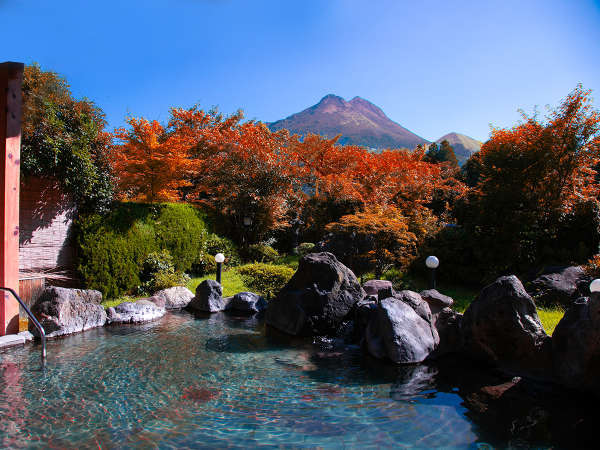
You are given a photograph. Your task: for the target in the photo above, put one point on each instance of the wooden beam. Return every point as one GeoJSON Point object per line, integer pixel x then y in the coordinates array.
{"type": "Point", "coordinates": [11, 77]}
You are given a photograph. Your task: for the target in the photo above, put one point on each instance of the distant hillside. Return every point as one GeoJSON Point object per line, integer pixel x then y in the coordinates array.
{"type": "Point", "coordinates": [359, 122]}
{"type": "Point", "coordinates": [464, 146]}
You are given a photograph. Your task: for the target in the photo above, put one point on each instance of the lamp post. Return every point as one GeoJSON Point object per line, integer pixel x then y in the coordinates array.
{"type": "Point", "coordinates": [219, 258]}
{"type": "Point", "coordinates": [432, 263]}
{"type": "Point", "coordinates": [595, 286]}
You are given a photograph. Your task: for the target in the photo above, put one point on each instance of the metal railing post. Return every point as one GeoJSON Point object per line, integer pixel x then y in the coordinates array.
{"type": "Point", "coordinates": [38, 325]}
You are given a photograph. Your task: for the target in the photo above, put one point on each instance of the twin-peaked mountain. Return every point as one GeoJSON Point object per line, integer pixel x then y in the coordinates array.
{"type": "Point", "coordinates": [360, 122]}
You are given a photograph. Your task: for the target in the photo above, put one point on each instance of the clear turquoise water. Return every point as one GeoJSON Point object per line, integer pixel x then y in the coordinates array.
{"type": "Point", "coordinates": [219, 381]}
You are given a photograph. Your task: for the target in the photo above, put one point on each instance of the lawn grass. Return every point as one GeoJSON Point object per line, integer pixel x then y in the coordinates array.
{"type": "Point", "coordinates": [231, 281]}
{"type": "Point", "coordinates": [290, 260]}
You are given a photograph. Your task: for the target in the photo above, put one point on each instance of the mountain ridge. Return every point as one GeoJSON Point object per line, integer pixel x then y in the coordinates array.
{"type": "Point", "coordinates": [359, 121]}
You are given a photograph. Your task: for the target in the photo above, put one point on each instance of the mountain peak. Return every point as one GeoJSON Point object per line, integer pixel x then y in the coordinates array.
{"type": "Point", "coordinates": [464, 146]}
{"type": "Point", "coordinates": [359, 121]}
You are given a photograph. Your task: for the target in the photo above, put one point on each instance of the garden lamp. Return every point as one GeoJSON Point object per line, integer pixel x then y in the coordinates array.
{"type": "Point", "coordinates": [432, 263]}
{"type": "Point", "coordinates": [595, 285]}
{"type": "Point", "coordinates": [219, 259]}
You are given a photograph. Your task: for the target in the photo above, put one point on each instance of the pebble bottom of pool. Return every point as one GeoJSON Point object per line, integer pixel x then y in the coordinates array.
{"type": "Point", "coordinates": [220, 381]}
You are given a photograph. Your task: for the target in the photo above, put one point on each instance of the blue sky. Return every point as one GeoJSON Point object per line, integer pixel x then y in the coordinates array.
{"type": "Point", "coordinates": [432, 66]}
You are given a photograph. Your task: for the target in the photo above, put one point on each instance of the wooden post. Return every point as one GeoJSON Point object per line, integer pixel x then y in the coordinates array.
{"type": "Point", "coordinates": [11, 77]}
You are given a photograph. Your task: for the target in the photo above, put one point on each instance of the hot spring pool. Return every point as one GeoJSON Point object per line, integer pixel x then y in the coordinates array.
{"type": "Point", "coordinates": [220, 381]}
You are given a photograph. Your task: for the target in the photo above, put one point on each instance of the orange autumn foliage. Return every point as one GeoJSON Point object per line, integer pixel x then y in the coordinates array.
{"type": "Point", "coordinates": [150, 165]}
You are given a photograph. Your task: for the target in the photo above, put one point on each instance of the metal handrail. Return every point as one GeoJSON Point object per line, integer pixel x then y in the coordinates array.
{"type": "Point", "coordinates": [39, 326]}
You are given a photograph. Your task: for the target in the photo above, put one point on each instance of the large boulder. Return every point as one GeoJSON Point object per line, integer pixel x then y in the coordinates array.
{"type": "Point", "coordinates": [501, 327]}
{"type": "Point", "coordinates": [64, 311]}
{"type": "Point", "coordinates": [209, 298]}
{"type": "Point", "coordinates": [397, 332]}
{"type": "Point", "coordinates": [559, 286]}
{"type": "Point", "coordinates": [247, 302]}
{"type": "Point", "coordinates": [576, 345]}
{"type": "Point", "coordinates": [138, 312]}
{"type": "Point", "coordinates": [379, 288]}
{"type": "Point", "coordinates": [316, 299]}
{"type": "Point", "coordinates": [421, 307]}
{"type": "Point", "coordinates": [176, 297]}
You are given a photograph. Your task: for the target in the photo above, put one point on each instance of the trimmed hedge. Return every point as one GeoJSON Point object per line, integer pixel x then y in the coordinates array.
{"type": "Point", "coordinates": [265, 279]}
{"type": "Point", "coordinates": [113, 248]}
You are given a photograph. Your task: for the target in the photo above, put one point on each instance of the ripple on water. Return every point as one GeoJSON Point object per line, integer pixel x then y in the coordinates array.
{"type": "Point", "coordinates": [217, 380]}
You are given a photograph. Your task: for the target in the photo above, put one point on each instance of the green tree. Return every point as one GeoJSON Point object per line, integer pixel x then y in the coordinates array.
{"type": "Point", "coordinates": [444, 153]}
{"type": "Point", "coordinates": [64, 138]}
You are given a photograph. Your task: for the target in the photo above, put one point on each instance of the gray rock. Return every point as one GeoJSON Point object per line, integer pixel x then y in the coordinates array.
{"type": "Point", "coordinates": [417, 303]}
{"type": "Point", "coordinates": [209, 298]}
{"type": "Point", "coordinates": [576, 346]}
{"type": "Point", "coordinates": [421, 307]}
{"type": "Point", "coordinates": [502, 328]}
{"type": "Point", "coordinates": [447, 323]}
{"type": "Point", "coordinates": [138, 312]}
{"type": "Point", "coordinates": [176, 297]}
{"type": "Point", "coordinates": [64, 311]}
{"type": "Point", "coordinates": [247, 302]}
{"type": "Point", "coordinates": [379, 288]}
{"type": "Point", "coordinates": [436, 300]}
{"type": "Point", "coordinates": [397, 332]}
{"type": "Point", "coordinates": [363, 312]}
{"type": "Point", "coordinates": [560, 286]}
{"type": "Point", "coordinates": [317, 298]}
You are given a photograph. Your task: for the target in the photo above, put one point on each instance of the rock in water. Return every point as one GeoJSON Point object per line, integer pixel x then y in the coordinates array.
{"type": "Point", "coordinates": [138, 312]}
{"type": "Point", "coordinates": [576, 346]}
{"type": "Point", "coordinates": [397, 332]}
{"type": "Point", "coordinates": [176, 297]}
{"type": "Point", "coordinates": [502, 328]}
{"type": "Point", "coordinates": [64, 311]}
{"type": "Point", "coordinates": [316, 299]}
{"type": "Point", "coordinates": [247, 302]}
{"type": "Point", "coordinates": [209, 298]}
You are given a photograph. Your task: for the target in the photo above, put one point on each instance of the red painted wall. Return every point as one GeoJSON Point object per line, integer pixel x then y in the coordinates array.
{"type": "Point", "coordinates": [11, 75]}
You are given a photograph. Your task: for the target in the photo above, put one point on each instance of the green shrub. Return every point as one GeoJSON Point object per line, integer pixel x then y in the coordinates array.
{"type": "Point", "coordinates": [158, 272]}
{"type": "Point", "coordinates": [110, 261]}
{"type": "Point", "coordinates": [305, 248]}
{"type": "Point", "coordinates": [156, 262]}
{"type": "Point", "coordinates": [112, 248]}
{"type": "Point", "coordinates": [168, 278]}
{"type": "Point", "coordinates": [265, 279]}
{"type": "Point", "coordinates": [180, 229]}
{"type": "Point", "coordinates": [262, 253]}
{"type": "Point", "coordinates": [205, 261]}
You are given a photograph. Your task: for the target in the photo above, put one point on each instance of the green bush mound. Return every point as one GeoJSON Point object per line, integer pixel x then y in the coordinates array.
{"type": "Point", "coordinates": [112, 248]}
{"type": "Point", "coordinates": [265, 279]}
{"type": "Point", "coordinates": [262, 253]}
{"type": "Point", "coordinates": [158, 272]}
{"type": "Point", "coordinates": [205, 261]}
